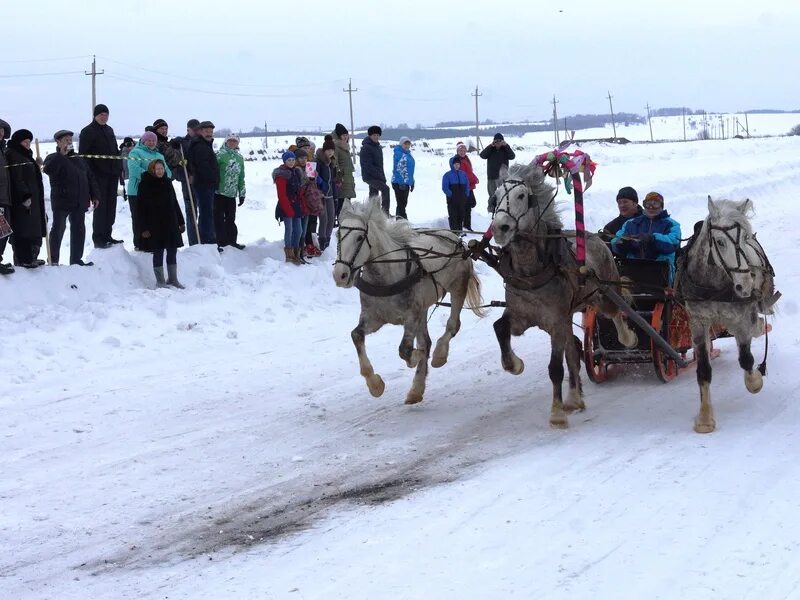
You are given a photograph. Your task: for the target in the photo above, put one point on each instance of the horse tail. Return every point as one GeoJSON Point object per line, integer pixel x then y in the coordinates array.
{"type": "Point", "coordinates": [474, 298]}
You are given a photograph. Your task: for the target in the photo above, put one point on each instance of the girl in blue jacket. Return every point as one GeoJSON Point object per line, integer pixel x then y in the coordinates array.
{"type": "Point", "coordinates": [455, 186]}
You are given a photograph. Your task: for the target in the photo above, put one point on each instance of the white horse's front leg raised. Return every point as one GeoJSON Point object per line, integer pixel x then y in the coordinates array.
{"type": "Point", "coordinates": [374, 381]}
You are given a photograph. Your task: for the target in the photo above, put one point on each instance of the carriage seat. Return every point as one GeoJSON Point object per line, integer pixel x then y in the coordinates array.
{"type": "Point", "coordinates": [650, 278]}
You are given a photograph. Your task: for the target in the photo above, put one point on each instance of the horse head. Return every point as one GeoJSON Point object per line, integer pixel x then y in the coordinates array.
{"type": "Point", "coordinates": [729, 233]}
{"type": "Point", "coordinates": [524, 203]}
{"type": "Point", "coordinates": [353, 245]}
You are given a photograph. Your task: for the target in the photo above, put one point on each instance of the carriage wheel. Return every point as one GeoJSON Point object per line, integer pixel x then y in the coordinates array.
{"type": "Point", "coordinates": [596, 368]}
{"type": "Point", "coordinates": [666, 368]}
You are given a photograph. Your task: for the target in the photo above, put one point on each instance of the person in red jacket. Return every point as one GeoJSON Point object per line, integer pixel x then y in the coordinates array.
{"type": "Point", "coordinates": [466, 166]}
{"type": "Point", "coordinates": [287, 179]}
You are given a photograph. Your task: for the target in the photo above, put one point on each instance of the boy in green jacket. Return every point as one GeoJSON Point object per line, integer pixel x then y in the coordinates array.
{"type": "Point", "coordinates": [231, 185]}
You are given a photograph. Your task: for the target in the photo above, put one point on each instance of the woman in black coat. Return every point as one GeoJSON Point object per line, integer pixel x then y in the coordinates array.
{"type": "Point", "coordinates": [27, 199]}
{"type": "Point", "coordinates": [161, 222]}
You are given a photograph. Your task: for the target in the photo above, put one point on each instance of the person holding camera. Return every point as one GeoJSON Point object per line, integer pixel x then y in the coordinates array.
{"type": "Point", "coordinates": [496, 155]}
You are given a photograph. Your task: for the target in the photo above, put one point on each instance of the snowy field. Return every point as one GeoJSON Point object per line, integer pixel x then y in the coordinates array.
{"type": "Point", "coordinates": [218, 442]}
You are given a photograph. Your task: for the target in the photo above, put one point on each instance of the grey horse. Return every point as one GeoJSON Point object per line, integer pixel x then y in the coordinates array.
{"type": "Point", "coordinates": [726, 279]}
{"type": "Point", "coordinates": [401, 272]}
{"type": "Point", "coordinates": [543, 288]}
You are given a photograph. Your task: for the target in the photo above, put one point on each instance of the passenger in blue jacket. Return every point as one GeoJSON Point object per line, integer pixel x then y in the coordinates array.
{"type": "Point", "coordinates": [652, 235]}
{"type": "Point", "coordinates": [455, 186]}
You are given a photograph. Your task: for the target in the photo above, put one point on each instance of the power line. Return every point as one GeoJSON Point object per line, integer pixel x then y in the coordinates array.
{"type": "Point", "coordinates": [130, 79]}
{"type": "Point", "coordinates": [40, 74]}
{"type": "Point", "coordinates": [33, 60]}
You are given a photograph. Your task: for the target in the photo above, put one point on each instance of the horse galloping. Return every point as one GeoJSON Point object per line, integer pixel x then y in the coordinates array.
{"type": "Point", "coordinates": [737, 286]}
{"type": "Point", "coordinates": [543, 288]}
{"type": "Point", "coordinates": [400, 273]}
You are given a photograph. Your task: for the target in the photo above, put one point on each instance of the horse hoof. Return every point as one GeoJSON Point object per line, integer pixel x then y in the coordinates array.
{"type": "Point", "coordinates": [413, 397]}
{"type": "Point", "coordinates": [571, 406]}
{"type": "Point", "coordinates": [559, 422]}
{"type": "Point", "coordinates": [753, 381]}
{"type": "Point", "coordinates": [631, 339]}
{"type": "Point", "coordinates": [416, 357]}
{"type": "Point", "coordinates": [704, 427]}
{"type": "Point", "coordinates": [376, 385]}
{"type": "Point", "coordinates": [515, 366]}
{"type": "Point", "coordinates": [438, 360]}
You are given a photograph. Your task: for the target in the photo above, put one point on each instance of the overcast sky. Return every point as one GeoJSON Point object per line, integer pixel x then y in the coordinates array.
{"type": "Point", "coordinates": [241, 63]}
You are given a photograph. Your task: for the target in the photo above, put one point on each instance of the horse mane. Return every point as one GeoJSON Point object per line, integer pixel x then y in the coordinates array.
{"type": "Point", "coordinates": [534, 179]}
{"type": "Point", "coordinates": [389, 232]}
{"type": "Point", "coordinates": [730, 211]}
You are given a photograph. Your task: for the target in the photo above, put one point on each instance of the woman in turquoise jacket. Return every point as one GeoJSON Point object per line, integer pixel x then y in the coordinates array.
{"type": "Point", "coordinates": [139, 158]}
{"type": "Point", "coordinates": [403, 175]}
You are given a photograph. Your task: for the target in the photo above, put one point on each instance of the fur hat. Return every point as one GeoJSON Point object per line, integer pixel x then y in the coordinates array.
{"type": "Point", "coordinates": [160, 123]}
{"type": "Point", "coordinates": [374, 129]}
{"type": "Point", "coordinates": [628, 193]}
{"type": "Point", "coordinates": [288, 155]}
{"type": "Point", "coordinates": [340, 130]}
{"type": "Point", "coordinates": [148, 136]}
{"type": "Point", "coordinates": [300, 153]}
{"type": "Point", "coordinates": [20, 135]}
{"type": "Point", "coordinates": [302, 142]}
{"type": "Point", "coordinates": [61, 133]}
{"type": "Point", "coordinates": [100, 109]}
{"type": "Point", "coordinates": [653, 197]}
{"type": "Point", "coordinates": [498, 137]}
{"type": "Point", "coordinates": [328, 145]}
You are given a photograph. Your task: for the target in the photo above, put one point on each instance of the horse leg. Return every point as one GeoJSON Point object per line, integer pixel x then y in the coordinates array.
{"type": "Point", "coordinates": [558, 417]}
{"type": "Point", "coordinates": [366, 326]}
{"type": "Point", "coordinates": [424, 348]}
{"type": "Point", "coordinates": [704, 421]}
{"type": "Point", "coordinates": [510, 361]}
{"type": "Point", "coordinates": [442, 349]}
{"type": "Point", "coordinates": [406, 349]}
{"type": "Point", "coordinates": [626, 336]}
{"type": "Point", "coordinates": [753, 379]}
{"type": "Point", "coordinates": [575, 398]}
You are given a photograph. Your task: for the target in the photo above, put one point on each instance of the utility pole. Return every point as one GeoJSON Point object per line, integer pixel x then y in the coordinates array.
{"type": "Point", "coordinates": [266, 139]}
{"type": "Point", "coordinates": [555, 120]}
{"type": "Point", "coordinates": [683, 111]}
{"type": "Point", "coordinates": [649, 122]}
{"type": "Point", "coordinates": [349, 91]}
{"type": "Point", "coordinates": [478, 144]}
{"type": "Point", "coordinates": [566, 133]}
{"type": "Point", "coordinates": [94, 73]}
{"type": "Point", "coordinates": [746, 125]}
{"type": "Point", "coordinates": [611, 106]}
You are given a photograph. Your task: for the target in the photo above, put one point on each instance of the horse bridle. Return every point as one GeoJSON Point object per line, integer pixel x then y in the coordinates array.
{"type": "Point", "coordinates": [742, 262]}
{"type": "Point", "coordinates": [365, 239]}
{"type": "Point", "coordinates": [499, 209]}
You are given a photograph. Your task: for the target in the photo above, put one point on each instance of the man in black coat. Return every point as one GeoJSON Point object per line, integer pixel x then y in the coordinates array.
{"type": "Point", "coordinates": [5, 193]}
{"type": "Point", "coordinates": [497, 154]}
{"type": "Point", "coordinates": [98, 138]}
{"type": "Point", "coordinates": [72, 190]}
{"type": "Point", "coordinates": [27, 199]}
{"type": "Point", "coordinates": [628, 204]}
{"type": "Point", "coordinates": [181, 146]}
{"type": "Point", "coordinates": [371, 156]}
{"type": "Point", "coordinates": [204, 179]}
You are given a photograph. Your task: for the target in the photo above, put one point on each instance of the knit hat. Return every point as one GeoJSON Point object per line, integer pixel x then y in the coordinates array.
{"type": "Point", "coordinates": [340, 130]}
{"type": "Point", "coordinates": [21, 135]}
{"type": "Point", "coordinates": [206, 125]}
{"type": "Point", "coordinates": [498, 136]}
{"type": "Point", "coordinates": [192, 124]}
{"type": "Point", "coordinates": [328, 137]}
{"type": "Point", "coordinates": [287, 156]}
{"type": "Point", "coordinates": [459, 144]}
{"type": "Point", "coordinates": [99, 109]}
{"type": "Point", "coordinates": [148, 136]}
{"type": "Point", "coordinates": [404, 139]}
{"type": "Point", "coordinates": [61, 133]}
{"type": "Point", "coordinates": [374, 129]}
{"type": "Point", "coordinates": [160, 123]}
{"type": "Point", "coordinates": [328, 145]}
{"type": "Point", "coordinates": [128, 141]}
{"type": "Point", "coordinates": [654, 197]}
{"type": "Point", "coordinates": [302, 141]}
{"type": "Point", "coordinates": [300, 153]}
{"type": "Point", "coordinates": [231, 136]}
{"type": "Point", "coordinates": [628, 193]}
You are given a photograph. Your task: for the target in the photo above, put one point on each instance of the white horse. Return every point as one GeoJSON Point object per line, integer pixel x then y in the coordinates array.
{"type": "Point", "coordinates": [401, 272]}
{"type": "Point", "coordinates": [726, 279]}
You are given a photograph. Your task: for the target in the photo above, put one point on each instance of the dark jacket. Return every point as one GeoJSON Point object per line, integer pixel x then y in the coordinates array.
{"type": "Point", "coordinates": [612, 227]}
{"type": "Point", "coordinates": [178, 143]}
{"type": "Point", "coordinates": [666, 239]}
{"type": "Point", "coordinates": [5, 182]}
{"type": "Point", "coordinates": [26, 183]}
{"type": "Point", "coordinates": [170, 154]}
{"type": "Point", "coordinates": [496, 158]}
{"type": "Point", "coordinates": [455, 184]}
{"type": "Point", "coordinates": [159, 213]}
{"type": "Point", "coordinates": [72, 184]}
{"type": "Point", "coordinates": [203, 163]}
{"type": "Point", "coordinates": [326, 174]}
{"type": "Point", "coordinates": [344, 168]}
{"type": "Point", "coordinates": [288, 182]}
{"type": "Point", "coordinates": [100, 139]}
{"type": "Point", "coordinates": [371, 156]}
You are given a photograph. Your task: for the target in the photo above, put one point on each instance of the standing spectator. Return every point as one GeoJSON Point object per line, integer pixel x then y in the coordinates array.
{"type": "Point", "coordinates": [141, 156]}
{"type": "Point", "coordinates": [162, 222]}
{"type": "Point", "coordinates": [326, 182]}
{"type": "Point", "coordinates": [287, 179]}
{"type": "Point", "coordinates": [72, 190]}
{"type": "Point", "coordinates": [231, 185]}
{"type": "Point", "coordinates": [344, 166]}
{"type": "Point", "coordinates": [402, 175]}
{"type": "Point", "coordinates": [124, 150]}
{"type": "Point", "coordinates": [204, 179]}
{"type": "Point", "coordinates": [181, 146]}
{"type": "Point", "coordinates": [5, 194]}
{"type": "Point", "coordinates": [466, 166]}
{"type": "Point", "coordinates": [310, 202]}
{"type": "Point", "coordinates": [497, 154]}
{"type": "Point", "coordinates": [27, 199]}
{"type": "Point", "coordinates": [310, 222]}
{"type": "Point", "coordinates": [455, 186]}
{"type": "Point", "coordinates": [172, 156]}
{"type": "Point", "coordinates": [371, 156]}
{"type": "Point", "coordinates": [98, 138]}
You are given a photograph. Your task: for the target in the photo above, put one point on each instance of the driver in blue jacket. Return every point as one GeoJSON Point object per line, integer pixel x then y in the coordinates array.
{"type": "Point", "coordinates": [652, 235]}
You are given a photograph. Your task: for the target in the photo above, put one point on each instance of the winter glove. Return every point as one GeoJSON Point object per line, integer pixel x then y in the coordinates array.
{"type": "Point", "coordinates": [411, 189]}
{"type": "Point", "coordinates": [146, 235]}
{"type": "Point", "coordinates": [182, 228]}
{"type": "Point", "coordinates": [645, 238]}
{"type": "Point", "coordinates": [241, 200]}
